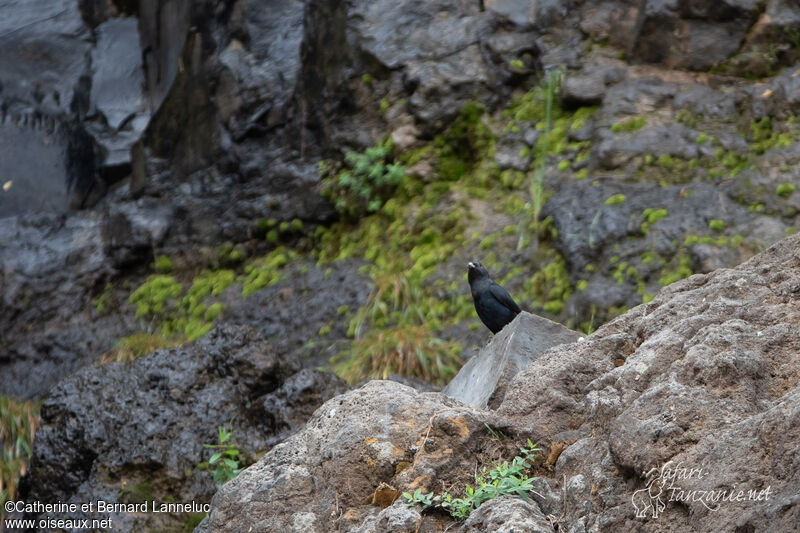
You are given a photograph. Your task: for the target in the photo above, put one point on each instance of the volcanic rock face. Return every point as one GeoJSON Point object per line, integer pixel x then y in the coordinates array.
{"type": "Point", "coordinates": [177, 124]}
{"type": "Point", "coordinates": [701, 384]}
{"type": "Point", "coordinates": [119, 432]}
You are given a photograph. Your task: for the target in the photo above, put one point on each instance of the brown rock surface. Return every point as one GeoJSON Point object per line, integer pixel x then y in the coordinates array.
{"type": "Point", "coordinates": [707, 395]}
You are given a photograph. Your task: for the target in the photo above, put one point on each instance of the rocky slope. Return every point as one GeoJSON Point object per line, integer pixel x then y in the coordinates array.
{"type": "Point", "coordinates": [178, 126]}
{"type": "Point", "coordinates": [700, 384]}
{"type": "Point", "coordinates": [136, 432]}
{"type": "Point", "coordinates": [160, 173]}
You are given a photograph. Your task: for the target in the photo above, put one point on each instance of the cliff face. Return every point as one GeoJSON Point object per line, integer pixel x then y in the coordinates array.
{"type": "Point", "coordinates": [701, 384]}
{"type": "Point", "coordinates": [132, 130]}
{"type": "Point", "coordinates": [590, 153]}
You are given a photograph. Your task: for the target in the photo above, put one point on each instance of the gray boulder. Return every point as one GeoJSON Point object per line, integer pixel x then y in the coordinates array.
{"type": "Point", "coordinates": [507, 515]}
{"type": "Point", "coordinates": [483, 379]}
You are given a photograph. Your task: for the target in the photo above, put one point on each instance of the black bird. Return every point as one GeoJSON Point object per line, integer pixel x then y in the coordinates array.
{"type": "Point", "coordinates": [494, 305]}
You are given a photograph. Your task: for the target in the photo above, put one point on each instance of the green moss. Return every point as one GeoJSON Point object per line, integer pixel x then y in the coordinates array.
{"type": "Point", "coordinates": [265, 271]}
{"type": "Point", "coordinates": [563, 165]}
{"type": "Point", "coordinates": [154, 295]}
{"type": "Point", "coordinates": [784, 189]}
{"type": "Point", "coordinates": [163, 264]}
{"type": "Point", "coordinates": [765, 138]}
{"type": "Point", "coordinates": [325, 330]}
{"type": "Point", "coordinates": [581, 285]}
{"type": "Point", "coordinates": [213, 311]}
{"type": "Point", "coordinates": [229, 255]}
{"type": "Point", "coordinates": [735, 162]}
{"type": "Point", "coordinates": [684, 116]}
{"type": "Point", "coordinates": [629, 125]}
{"type": "Point", "coordinates": [649, 256]}
{"type": "Point", "coordinates": [550, 287]}
{"type": "Point", "coordinates": [647, 298]}
{"type": "Point", "coordinates": [717, 225]}
{"type": "Point", "coordinates": [581, 116]}
{"type": "Point", "coordinates": [136, 492]}
{"type": "Point", "coordinates": [702, 138]}
{"type": "Point", "coordinates": [461, 146]}
{"type": "Point", "coordinates": [651, 216]}
{"type": "Point", "coordinates": [582, 174]}
{"type": "Point", "coordinates": [512, 179]}
{"type": "Point", "coordinates": [615, 199]}
{"type": "Point", "coordinates": [193, 521]}
{"type": "Point", "coordinates": [666, 161]}
{"type": "Point", "coordinates": [680, 267]}
{"type": "Point", "coordinates": [104, 303]}
{"type": "Point", "coordinates": [367, 79]}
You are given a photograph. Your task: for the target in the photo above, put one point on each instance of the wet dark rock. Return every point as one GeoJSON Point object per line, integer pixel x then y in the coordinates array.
{"type": "Point", "coordinates": [292, 311]}
{"type": "Point", "coordinates": [692, 36]}
{"type": "Point", "coordinates": [593, 233]}
{"type": "Point", "coordinates": [111, 428]}
{"type": "Point", "coordinates": [119, 109]}
{"type": "Point", "coordinates": [671, 139]}
{"type": "Point", "coordinates": [61, 158]}
{"type": "Point", "coordinates": [296, 400]}
{"type": "Point", "coordinates": [706, 101]}
{"type": "Point", "coordinates": [36, 288]}
{"type": "Point", "coordinates": [588, 86]}
{"type": "Point", "coordinates": [773, 173]}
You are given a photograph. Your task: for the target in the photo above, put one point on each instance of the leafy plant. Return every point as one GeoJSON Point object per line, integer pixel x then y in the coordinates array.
{"type": "Point", "coordinates": [504, 479]}
{"type": "Point", "coordinates": [225, 461]}
{"type": "Point", "coordinates": [366, 183]}
{"type": "Point", "coordinates": [18, 424]}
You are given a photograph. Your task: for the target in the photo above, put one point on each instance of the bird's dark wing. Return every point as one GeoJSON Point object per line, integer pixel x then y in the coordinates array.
{"type": "Point", "coordinates": [502, 296]}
